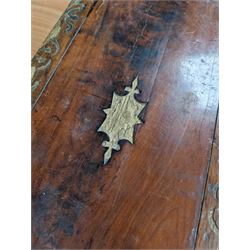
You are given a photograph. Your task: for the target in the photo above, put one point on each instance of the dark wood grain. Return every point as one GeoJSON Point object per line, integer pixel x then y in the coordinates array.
{"type": "Point", "coordinates": [150, 193]}
{"type": "Point", "coordinates": [208, 234]}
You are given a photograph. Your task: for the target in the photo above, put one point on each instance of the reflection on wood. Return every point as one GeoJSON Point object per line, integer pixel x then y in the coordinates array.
{"type": "Point", "coordinates": [149, 195]}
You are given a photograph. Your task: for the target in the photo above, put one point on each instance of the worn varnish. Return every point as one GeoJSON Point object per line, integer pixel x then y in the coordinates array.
{"type": "Point", "coordinates": [150, 194]}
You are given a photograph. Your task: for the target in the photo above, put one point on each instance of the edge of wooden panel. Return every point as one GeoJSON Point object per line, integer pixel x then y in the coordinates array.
{"type": "Point", "coordinates": [48, 56]}
{"type": "Point", "coordinates": [208, 229]}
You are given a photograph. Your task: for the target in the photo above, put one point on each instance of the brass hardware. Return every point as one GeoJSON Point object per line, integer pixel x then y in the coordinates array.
{"type": "Point", "coordinates": [121, 118]}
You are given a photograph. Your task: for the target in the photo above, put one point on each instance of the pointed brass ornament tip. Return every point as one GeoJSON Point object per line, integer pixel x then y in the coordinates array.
{"type": "Point", "coordinates": [121, 118]}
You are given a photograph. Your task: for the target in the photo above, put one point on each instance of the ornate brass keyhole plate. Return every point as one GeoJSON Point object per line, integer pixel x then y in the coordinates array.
{"type": "Point", "coordinates": [121, 118]}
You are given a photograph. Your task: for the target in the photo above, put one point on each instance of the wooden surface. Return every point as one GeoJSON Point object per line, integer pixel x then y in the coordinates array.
{"type": "Point", "coordinates": [208, 235]}
{"type": "Point", "coordinates": [150, 194]}
{"type": "Point", "coordinates": [45, 14]}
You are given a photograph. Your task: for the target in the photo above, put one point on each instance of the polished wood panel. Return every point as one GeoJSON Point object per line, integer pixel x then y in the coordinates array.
{"type": "Point", "coordinates": [208, 234]}
{"type": "Point", "coordinates": [45, 14]}
{"type": "Point", "coordinates": [150, 193]}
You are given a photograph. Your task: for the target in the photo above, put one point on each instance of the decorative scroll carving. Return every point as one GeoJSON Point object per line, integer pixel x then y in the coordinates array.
{"type": "Point", "coordinates": [214, 189]}
{"type": "Point", "coordinates": [50, 47]}
{"type": "Point", "coordinates": [42, 61]}
{"type": "Point", "coordinates": [71, 14]}
{"type": "Point", "coordinates": [211, 220]}
{"type": "Point", "coordinates": [121, 118]}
